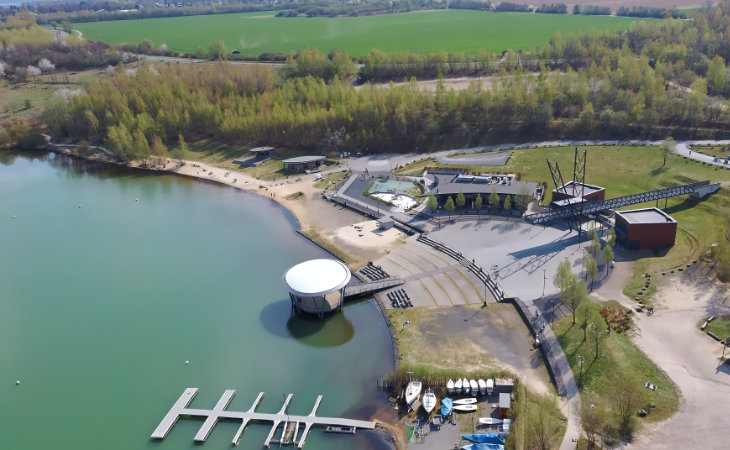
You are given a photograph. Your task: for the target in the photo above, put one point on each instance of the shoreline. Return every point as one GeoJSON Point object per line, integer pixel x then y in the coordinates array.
{"type": "Point", "coordinates": [245, 183]}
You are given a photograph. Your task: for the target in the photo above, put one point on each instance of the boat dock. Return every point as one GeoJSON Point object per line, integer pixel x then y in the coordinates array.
{"type": "Point", "coordinates": [292, 424]}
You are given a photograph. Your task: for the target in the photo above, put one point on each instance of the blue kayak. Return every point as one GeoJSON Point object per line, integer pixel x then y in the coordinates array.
{"type": "Point", "coordinates": [484, 438]}
{"type": "Point", "coordinates": [446, 405]}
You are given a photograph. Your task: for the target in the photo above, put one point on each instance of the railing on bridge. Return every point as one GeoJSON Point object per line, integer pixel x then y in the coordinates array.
{"type": "Point", "coordinates": [618, 202]}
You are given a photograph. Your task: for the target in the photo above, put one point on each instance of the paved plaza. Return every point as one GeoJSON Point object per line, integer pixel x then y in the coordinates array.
{"type": "Point", "coordinates": [524, 257]}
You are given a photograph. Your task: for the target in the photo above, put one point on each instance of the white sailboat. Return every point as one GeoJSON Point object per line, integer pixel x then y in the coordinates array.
{"type": "Point", "coordinates": [474, 387]}
{"type": "Point", "coordinates": [482, 386]}
{"type": "Point", "coordinates": [457, 385]}
{"type": "Point", "coordinates": [429, 401]}
{"type": "Point", "coordinates": [450, 386]}
{"type": "Point", "coordinates": [413, 390]}
{"type": "Point", "coordinates": [465, 408]}
{"type": "Point", "coordinates": [465, 386]}
{"type": "Point", "coordinates": [465, 401]}
{"type": "Point", "coordinates": [489, 421]}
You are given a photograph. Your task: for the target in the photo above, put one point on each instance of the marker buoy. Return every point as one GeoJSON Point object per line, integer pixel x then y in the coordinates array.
{"type": "Point", "coordinates": [17, 383]}
{"type": "Point", "coordinates": [187, 362]}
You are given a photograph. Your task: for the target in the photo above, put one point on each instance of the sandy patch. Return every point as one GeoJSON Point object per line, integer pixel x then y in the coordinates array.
{"type": "Point", "coordinates": [672, 339]}
{"type": "Point", "coordinates": [367, 235]}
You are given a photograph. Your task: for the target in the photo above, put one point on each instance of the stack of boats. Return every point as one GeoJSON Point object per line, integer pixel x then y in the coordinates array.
{"type": "Point", "coordinates": [473, 387]}
{"type": "Point", "coordinates": [460, 386]}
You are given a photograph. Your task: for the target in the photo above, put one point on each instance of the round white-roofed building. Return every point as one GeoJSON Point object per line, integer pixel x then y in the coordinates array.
{"type": "Point", "coordinates": [317, 286]}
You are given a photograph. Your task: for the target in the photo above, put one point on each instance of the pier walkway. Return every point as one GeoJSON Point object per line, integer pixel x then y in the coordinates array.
{"type": "Point", "coordinates": [373, 286]}
{"type": "Point", "coordinates": [291, 423]}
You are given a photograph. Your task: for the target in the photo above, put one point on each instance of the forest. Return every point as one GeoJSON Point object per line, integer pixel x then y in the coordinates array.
{"type": "Point", "coordinates": [661, 78]}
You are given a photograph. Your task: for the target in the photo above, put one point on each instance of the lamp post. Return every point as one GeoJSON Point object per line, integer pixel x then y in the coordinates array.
{"type": "Point", "coordinates": [580, 361]}
{"type": "Point", "coordinates": [544, 279]}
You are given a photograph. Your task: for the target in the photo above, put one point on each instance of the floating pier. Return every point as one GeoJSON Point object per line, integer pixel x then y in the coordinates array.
{"type": "Point", "coordinates": [292, 424]}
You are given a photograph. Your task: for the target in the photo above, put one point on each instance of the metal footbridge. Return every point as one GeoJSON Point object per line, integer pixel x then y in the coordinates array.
{"type": "Point", "coordinates": [700, 188]}
{"type": "Point", "coordinates": [372, 286]}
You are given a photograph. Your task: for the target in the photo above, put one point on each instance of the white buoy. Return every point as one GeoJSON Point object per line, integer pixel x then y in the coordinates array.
{"type": "Point", "coordinates": [136, 199]}
{"type": "Point", "coordinates": [79, 205]}
{"type": "Point", "coordinates": [17, 383]}
{"type": "Point", "coordinates": [13, 216]}
{"type": "Point", "coordinates": [187, 362]}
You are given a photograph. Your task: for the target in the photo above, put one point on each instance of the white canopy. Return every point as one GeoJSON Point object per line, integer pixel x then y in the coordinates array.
{"type": "Point", "coordinates": [316, 277]}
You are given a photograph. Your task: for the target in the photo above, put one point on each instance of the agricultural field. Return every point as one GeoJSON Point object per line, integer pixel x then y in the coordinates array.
{"type": "Point", "coordinates": [428, 32]}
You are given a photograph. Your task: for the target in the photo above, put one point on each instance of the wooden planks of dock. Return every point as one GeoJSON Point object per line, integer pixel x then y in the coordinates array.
{"type": "Point", "coordinates": [292, 424]}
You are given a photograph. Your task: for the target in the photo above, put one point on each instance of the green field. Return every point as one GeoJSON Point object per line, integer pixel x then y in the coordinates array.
{"type": "Point", "coordinates": [450, 30]}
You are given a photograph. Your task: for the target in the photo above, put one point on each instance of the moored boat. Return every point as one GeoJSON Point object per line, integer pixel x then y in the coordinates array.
{"type": "Point", "coordinates": [482, 386]}
{"type": "Point", "coordinates": [429, 401]}
{"type": "Point", "coordinates": [465, 408]}
{"type": "Point", "coordinates": [465, 386]}
{"type": "Point", "coordinates": [489, 421]}
{"type": "Point", "coordinates": [474, 387]}
{"type": "Point", "coordinates": [413, 390]}
{"type": "Point", "coordinates": [450, 386]}
{"type": "Point", "coordinates": [339, 429]}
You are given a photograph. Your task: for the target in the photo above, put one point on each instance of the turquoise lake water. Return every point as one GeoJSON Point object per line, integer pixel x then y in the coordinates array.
{"type": "Point", "coordinates": [101, 305]}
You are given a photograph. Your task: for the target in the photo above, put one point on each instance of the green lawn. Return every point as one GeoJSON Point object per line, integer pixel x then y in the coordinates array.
{"type": "Point", "coordinates": [721, 327]}
{"type": "Point", "coordinates": [450, 30]}
{"type": "Point", "coordinates": [619, 361]}
{"type": "Point", "coordinates": [718, 151]}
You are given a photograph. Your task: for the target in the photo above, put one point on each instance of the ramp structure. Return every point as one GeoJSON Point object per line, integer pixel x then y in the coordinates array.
{"type": "Point", "coordinates": [700, 189]}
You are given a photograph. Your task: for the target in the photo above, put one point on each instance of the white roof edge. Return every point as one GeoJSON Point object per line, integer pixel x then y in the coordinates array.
{"type": "Point", "coordinates": [318, 286]}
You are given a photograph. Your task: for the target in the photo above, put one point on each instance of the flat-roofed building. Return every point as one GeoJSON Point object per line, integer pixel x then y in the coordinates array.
{"type": "Point", "coordinates": [573, 190]}
{"type": "Point", "coordinates": [646, 228]}
{"type": "Point", "coordinates": [449, 184]}
{"type": "Point", "coordinates": [303, 163]}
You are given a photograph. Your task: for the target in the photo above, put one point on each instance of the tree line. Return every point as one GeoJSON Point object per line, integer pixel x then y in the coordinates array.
{"type": "Point", "coordinates": [27, 49]}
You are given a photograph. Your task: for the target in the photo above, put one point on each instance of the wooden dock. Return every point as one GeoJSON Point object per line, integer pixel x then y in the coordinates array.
{"type": "Point", "coordinates": [292, 424]}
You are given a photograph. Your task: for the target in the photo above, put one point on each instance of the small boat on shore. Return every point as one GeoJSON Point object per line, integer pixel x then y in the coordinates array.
{"type": "Point", "coordinates": [482, 386]}
{"type": "Point", "coordinates": [447, 405]}
{"type": "Point", "coordinates": [465, 408]}
{"type": "Point", "coordinates": [450, 386]}
{"type": "Point", "coordinates": [489, 421]}
{"type": "Point", "coordinates": [458, 385]}
{"type": "Point", "coordinates": [429, 401]}
{"type": "Point", "coordinates": [413, 391]}
{"type": "Point", "coordinates": [465, 386]}
{"type": "Point", "coordinates": [474, 387]}
{"type": "Point", "coordinates": [465, 401]}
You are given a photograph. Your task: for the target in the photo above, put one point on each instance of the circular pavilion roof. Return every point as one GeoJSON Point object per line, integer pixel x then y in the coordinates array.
{"type": "Point", "coordinates": [316, 277]}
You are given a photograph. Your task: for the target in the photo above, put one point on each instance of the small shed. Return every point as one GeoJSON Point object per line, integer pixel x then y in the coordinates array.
{"type": "Point", "coordinates": [263, 152]}
{"type": "Point", "coordinates": [386, 223]}
{"type": "Point", "coordinates": [505, 401]}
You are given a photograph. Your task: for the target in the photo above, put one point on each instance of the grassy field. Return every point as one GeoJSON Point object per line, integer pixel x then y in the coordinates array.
{"type": "Point", "coordinates": [451, 30]}
{"type": "Point", "coordinates": [721, 327]}
{"type": "Point", "coordinates": [16, 97]}
{"type": "Point", "coordinates": [619, 359]}
{"type": "Point", "coordinates": [625, 170]}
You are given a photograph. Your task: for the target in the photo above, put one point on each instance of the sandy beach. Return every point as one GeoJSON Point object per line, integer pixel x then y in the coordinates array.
{"type": "Point", "coordinates": [338, 227]}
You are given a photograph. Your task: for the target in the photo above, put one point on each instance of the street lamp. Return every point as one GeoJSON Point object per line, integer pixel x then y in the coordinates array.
{"type": "Point", "coordinates": [544, 279]}
{"type": "Point", "coordinates": [580, 361]}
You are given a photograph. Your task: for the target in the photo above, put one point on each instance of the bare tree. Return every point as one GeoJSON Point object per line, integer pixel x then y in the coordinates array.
{"type": "Point", "coordinates": [607, 256]}
{"type": "Point", "coordinates": [627, 395]}
{"type": "Point", "coordinates": [591, 267]}
{"type": "Point", "coordinates": [543, 425]}
{"type": "Point", "coordinates": [668, 147]}
{"type": "Point", "coordinates": [592, 418]}
{"type": "Point", "coordinates": [598, 335]}
{"type": "Point", "coordinates": [46, 65]}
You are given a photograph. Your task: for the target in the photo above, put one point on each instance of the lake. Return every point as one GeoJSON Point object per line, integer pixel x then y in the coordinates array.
{"type": "Point", "coordinates": [112, 279]}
